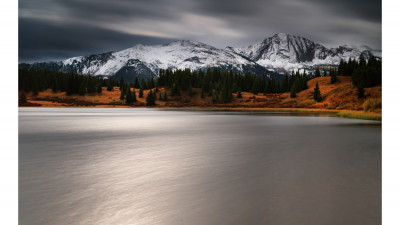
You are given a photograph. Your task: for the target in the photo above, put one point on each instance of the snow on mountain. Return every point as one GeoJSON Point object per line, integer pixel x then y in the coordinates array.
{"type": "Point", "coordinates": [292, 52]}
{"type": "Point", "coordinates": [175, 55]}
{"type": "Point", "coordinates": [272, 55]}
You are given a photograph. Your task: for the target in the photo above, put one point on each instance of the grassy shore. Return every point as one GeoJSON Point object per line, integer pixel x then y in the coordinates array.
{"type": "Point", "coordinates": [339, 113]}
{"type": "Point", "coordinates": [360, 115]}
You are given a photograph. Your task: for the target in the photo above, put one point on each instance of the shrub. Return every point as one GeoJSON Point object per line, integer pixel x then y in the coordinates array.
{"type": "Point", "coordinates": [372, 104]}
{"type": "Point", "coordinates": [309, 103]}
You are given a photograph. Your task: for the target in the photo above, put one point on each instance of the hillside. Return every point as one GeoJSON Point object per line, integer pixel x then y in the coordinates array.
{"type": "Point", "coordinates": [339, 96]}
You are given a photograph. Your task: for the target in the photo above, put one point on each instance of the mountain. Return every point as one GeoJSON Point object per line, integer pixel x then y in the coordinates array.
{"type": "Point", "coordinates": [292, 52]}
{"type": "Point", "coordinates": [144, 61]}
{"type": "Point", "coordinates": [281, 52]}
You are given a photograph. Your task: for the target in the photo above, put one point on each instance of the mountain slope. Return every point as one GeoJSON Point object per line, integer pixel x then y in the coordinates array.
{"type": "Point", "coordinates": [145, 61]}
{"type": "Point", "coordinates": [274, 54]}
{"type": "Point", "coordinates": [291, 52]}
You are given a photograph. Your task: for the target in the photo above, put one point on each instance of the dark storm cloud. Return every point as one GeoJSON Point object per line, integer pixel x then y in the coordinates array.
{"type": "Point", "coordinates": [42, 41]}
{"type": "Point", "coordinates": [53, 29]}
{"type": "Point", "coordinates": [367, 10]}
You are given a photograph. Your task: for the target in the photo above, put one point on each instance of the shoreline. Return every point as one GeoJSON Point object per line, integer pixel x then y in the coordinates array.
{"type": "Point", "coordinates": [351, 114]}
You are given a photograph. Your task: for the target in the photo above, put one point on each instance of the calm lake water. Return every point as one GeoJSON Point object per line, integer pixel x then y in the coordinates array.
{"type": "Point", "coordinates": [149, 166]}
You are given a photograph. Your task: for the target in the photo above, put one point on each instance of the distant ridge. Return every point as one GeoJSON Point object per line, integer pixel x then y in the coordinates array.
{"type": "Point", "coordinates": [273, 54]}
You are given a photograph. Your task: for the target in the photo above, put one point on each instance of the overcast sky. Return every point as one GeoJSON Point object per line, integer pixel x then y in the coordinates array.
{"type": "Point", "coordinates": [58, 29]}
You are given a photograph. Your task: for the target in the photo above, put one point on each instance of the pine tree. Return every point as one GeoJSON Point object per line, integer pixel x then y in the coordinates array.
{"type": "Point", "coordinates": [136, 84]}
{"type": "Point", "coordinates": [333, 77]}
{"type": "Point", "coordinates": [150, 99]}
{"type": "Point", "coordinates": [22, 98]}
{"type": "Point", "coordinates": [129, 97]}
{"type": "Point", "coordinates": [360, 91]}
{"type": "Point", "coordinates": [121, 83]}
{"type": "Point", "coordinates": [122, 96]}
{"type": "Point", "coordinates": [293, 91]}
{"type": "Point", "coordinates": [143, 84]}
{"type": "Point", "coordinates": [210, 89]}
{"type": "Point", "coordinates": [175, 90]}
{"type": "Point", "coordinates": [109, 85]}
{"type": "Point", "coordinates": [202, 91]}
{"type": "Point", "coordinates": [214, 97]}
{"type": "Point", "coordinates": [317, 72]}
{"type": "Point", "coordinates": [82, 89]}
{"type": "Point", "coordinates": [160, 97]}
{"type": "Point", "coordinates": [141, 92]}
{"type": "Point", "coordinates": [317, 93]}
{"type": "Point", "coordinates": [191, 92]}
{"type": "Point", "coordinates": [99, 88]}
{"type": "Point", "coordinates": [133, 96]}
{"type": "Point", "coordinates": [165, 96]}
{"type": "Point", "coordinates": [239, 94]}
{"type": "Point", "coordinates": [255, 89]}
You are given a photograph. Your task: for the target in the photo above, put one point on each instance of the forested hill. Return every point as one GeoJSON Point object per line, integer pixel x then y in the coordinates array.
{"type": "Point", "coordinates": [348, 86]}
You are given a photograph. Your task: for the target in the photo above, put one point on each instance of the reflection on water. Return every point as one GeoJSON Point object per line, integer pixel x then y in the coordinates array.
{"type": "Point", "coordinates": [145, 166]}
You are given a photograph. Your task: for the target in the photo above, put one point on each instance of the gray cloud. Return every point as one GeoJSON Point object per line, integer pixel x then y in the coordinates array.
{"type": "Point", "coordinates": [42, 41]}
{"type": "Point", "coordinates": [55, 29]}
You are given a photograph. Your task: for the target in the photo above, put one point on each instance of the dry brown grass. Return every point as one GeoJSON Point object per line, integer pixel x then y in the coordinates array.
{"type": "Point", "coordinates": [339, 96]}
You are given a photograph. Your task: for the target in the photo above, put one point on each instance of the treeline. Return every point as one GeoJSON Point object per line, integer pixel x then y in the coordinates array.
{"type": "Point", "coordinates": [36, 81]}
{"type": "Point", "coordinates": [129, 96]}
{"type": "Point", "coordinates": [217, 84]}
{"type": "Point", "coordinates": [363, 73]}
{"type": "Point", "coordinates": [221, 84]}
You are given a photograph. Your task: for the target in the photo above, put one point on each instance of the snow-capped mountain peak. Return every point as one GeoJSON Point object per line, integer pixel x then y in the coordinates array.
{"type": "Point", "coordinates": [280, 51]}
{"type": "Point", "coordinates": [291, 52]}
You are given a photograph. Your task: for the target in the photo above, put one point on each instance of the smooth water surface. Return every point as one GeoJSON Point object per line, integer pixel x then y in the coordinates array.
{"type": "Point", "coordinates": [149, 166]}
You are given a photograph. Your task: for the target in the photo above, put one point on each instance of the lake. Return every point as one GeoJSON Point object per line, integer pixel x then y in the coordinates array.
{"type": "Point", "coordinates": [176, 167]}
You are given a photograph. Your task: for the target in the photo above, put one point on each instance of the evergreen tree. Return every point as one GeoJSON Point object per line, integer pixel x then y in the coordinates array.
{"type": "Point", "coordinates": [175, 90]}
{"type": "Point", "coordinates": [285, 83]}
{"type": "Point", "coordinates": [141, 92]}
{"type": "Point", "coordinates": [360, 92]}
{"type": "Point", "coordinates": [293, 92]}
{"type": "Point", "coordinates": [99, 88]}
{"type": "Point", "coordinates": [362, 61]}
{"type": "Point", "coordinates": [150, 98]}
{"type": "Point", "coordinates": [22, 98]}
{"type": "Point", "coordinates": [317, 72]}
{"type": "Point", "coordinates": [191, 92]}
{"type": "Point", "coordinates": [333, 77]}
{"type": "Point", "coordinates": [165, 96]}
{"type": "Point", "coordinates": [129, 97]}
{"type": "Point", "coordinates": [239, 94]}
{"type": "Point", "coordinates": [214, 97]}
{"type": "Point", "coordinates": [136, 84]}
{"type": "Point", "coordinates": [256, 87]}
{"type": "Point", "coordinates": [202, 91]}
{"type": "Point", "coordinates": [110, 85]}
{"type": "Point", "coordinates": [121, 82]}
{"type": "Point", "coordinates": [151, 84]}
{"type": "Point", "coordinates": [133, 96]}
{"type": "Point", "coordinates": [122, 96]}
{"type": "Point", "coordinates": [210, 89]}
{"type": "Point", "coordinates": [317, 93]}
{"type": "Point", "coordinates": [160, 97]}
{"type": "Point", "coordinates": [143, 84]}
{"type": "Point", "coordinates": [82, 89]}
